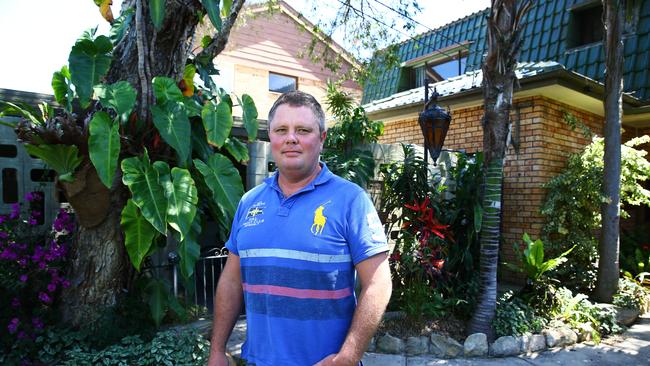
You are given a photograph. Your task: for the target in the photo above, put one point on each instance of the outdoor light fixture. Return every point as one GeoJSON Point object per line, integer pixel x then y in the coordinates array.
{"type": "Point", "coordinates": [434, 122]}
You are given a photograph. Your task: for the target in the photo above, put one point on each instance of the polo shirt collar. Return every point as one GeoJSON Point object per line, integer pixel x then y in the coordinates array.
{"type": "Point", "coordinates": [322, 177]}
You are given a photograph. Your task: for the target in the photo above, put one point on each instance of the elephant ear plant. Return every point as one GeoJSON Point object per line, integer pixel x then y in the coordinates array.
{"type": "Point", "coordinates": [540, 288]}
{"type": "Point", "coordinates": [158, 150]}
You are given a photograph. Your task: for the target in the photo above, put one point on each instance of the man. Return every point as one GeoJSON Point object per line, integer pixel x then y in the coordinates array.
{"type": "Point", "coordinates": [295, 244]}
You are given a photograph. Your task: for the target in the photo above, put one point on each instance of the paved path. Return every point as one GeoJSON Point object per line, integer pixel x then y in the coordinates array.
{"type": "Point", "coordinates": [632, 350]}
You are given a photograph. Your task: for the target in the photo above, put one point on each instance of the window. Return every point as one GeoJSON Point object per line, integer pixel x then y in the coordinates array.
{"type": "Point", "coordinates": [440, 71]}
{"type": "Point", "coordinates": [586, 25]}
{"type": "Point", "coordinates": [413, 76]}
{"type": "Point", "coordinates": [279, 83]}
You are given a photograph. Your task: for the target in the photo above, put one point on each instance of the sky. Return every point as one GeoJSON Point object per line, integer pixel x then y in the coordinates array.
{"type": "Point", "coordinates": [37, 34]}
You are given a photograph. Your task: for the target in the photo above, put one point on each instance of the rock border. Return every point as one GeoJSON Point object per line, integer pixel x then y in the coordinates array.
{"type": "Point", "coordinates": [476, 345]}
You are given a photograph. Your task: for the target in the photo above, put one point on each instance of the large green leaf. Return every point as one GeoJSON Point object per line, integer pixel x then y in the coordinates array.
{"type": "Point", "coordinates": [217, 121]}
{"type": "Point", "coordinates": [158, 299]}
{"type": "Point", "coordinates": [181, 195]}
{"type": "Point", "coordinates": [165, 89]}
{"type": "Point", "coordinates": [62, 88]}
{"type": "Point", "coordinates": [200, 146]}
{"type": "Point", "coordinates": [224, 181]}
{"type": "Point", "coordinates": [138, 233]}
{"type": "Point", "coordinates": [120, 25]}
{"type": "Point", "coordinates": [174, 127]}
{"type": "Point", "coordinates": [225, 9]}
{"type": "Point", "coordinates": [147, 192]}
{"type": "Point", "coordinates": [89, 61]}
{"type": "Point", "coordinates": [189, 251]}
{"type": "Point", "coordinates": [119, 96]}
{"type": "Point", "coordinates": [157, 12]}
{"type": "Point", "coordinates": [249, 116]}
{"type": "Point", "coordinates": [104, 146]}
{"type": "Point", "coordinates": [237, 149]}
{"type": "Point", "coordinates": [212, 8]}
{"type": "Point", "coordinates": [64, 159]}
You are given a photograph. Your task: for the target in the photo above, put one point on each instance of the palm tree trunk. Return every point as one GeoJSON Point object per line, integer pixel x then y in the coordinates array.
{"type": "Point", "coordinates": [498, 84]}
{"type": "Point", "coordinates": [608, 248]}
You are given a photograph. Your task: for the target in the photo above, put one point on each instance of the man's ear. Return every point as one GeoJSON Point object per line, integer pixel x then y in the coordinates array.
{"type": "Point", "coordinates": [323, 136]}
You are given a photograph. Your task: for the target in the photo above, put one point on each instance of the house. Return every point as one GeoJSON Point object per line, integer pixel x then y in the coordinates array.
{"type": "Point", "coordinates": [266, 55]}
{"type": "Point", "coordinates": [561, 74]}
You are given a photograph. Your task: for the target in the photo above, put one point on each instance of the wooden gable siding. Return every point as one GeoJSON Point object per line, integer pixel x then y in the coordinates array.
{"type": "Point", "coordinates": [274, 42]}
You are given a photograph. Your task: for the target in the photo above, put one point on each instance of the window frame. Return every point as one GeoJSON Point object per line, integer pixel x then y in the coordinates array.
{"type": "Point", "coordinates": [295, 79]}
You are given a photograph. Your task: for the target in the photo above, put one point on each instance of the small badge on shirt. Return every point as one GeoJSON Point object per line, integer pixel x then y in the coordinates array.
{"type": "Point", "coordinates": [253, 213]}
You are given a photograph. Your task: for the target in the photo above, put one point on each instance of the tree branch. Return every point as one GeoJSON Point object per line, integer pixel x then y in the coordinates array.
{"type": "Point", "coordinates": [142, 53]}
{"type": "Point", "coordinates": [220, 39]}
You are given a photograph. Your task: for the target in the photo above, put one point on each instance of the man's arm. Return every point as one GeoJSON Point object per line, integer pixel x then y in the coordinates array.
{"type": "Point", "coordinates": [376, 288]}
{"type": "Point", "coordinates": [228, 302]}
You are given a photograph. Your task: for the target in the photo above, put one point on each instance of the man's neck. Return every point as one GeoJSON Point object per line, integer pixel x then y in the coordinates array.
{"type": "Point", "coordinates": [290, 185]}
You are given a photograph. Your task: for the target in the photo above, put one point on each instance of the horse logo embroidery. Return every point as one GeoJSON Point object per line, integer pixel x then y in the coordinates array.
{"type": "Point", "coordinates": [319, 221]}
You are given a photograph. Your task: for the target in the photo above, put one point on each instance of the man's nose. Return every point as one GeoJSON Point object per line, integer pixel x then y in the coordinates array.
{"type": "Point", "coordinates": [291, 137]}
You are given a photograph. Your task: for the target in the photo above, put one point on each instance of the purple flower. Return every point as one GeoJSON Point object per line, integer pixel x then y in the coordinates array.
{"type": "Point", "coordinates": [36, 213]}
{"type": "Point", "coordinates": [32, 221]}
{"type": "Point", "coordinates": [22, 262]}
{"type": "Point", "coordinates": [8, 254]}
{"type": "Point", "coordinates": [13, 325]}
{"type": "Point", "coordinates": [41, 265]}
{"type": "Point", "coordinates": [15, 302]}
{"type": "Point", "coordinates": [23, 278]}
{"type": "Point", "coordinates": [44, 297]}
{"type": "Point", "coordinates": [3, 234]}
{"type": "Point", "coordinates": [33, 196]}
{"type": "Point", "coordinates": [65, 283]}
{"type": "Point", "coordinates": [22, 335]}
{"type": "Point", "coordinates": [51, 287]}
{"type": "Point", "coordinates": [15, 211]}
{"type": "Point", "coordinates": [3, 218]}
{"type": "Point", "coordinates": [38, 323]}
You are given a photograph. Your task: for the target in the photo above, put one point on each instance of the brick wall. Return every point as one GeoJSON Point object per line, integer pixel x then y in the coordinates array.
{"type": "Point", "coordinates": [544, 145]}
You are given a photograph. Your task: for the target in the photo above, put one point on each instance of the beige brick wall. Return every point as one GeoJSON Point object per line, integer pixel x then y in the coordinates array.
{"type": "Point", "coordinates": [545, 143]}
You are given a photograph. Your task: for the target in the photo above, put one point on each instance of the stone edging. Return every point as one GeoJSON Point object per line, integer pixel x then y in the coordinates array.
{"type": "Point", "coordinates": [476, 345]}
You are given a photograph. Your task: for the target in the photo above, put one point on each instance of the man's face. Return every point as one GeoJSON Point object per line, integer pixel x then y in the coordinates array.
{"type": "Point", "coordinates": [296, 141]}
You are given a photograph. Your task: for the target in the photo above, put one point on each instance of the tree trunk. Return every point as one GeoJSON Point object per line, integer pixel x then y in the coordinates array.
{"type": "Point", "coordinates": [498, 84]}
{"type": "Point", "coordinates": [608, 264]}
{"type": "Point", "coordinates": [100, 269]}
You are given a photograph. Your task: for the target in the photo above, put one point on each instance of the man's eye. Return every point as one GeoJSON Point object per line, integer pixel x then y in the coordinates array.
{"type": "Point", "coordinates": [304, 130]}
{"type": "Point", "coordinates": [280, 130]}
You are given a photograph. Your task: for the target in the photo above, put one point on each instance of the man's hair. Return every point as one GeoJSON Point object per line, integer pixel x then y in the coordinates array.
{"type": "Point", "coordinates": [299, 98]}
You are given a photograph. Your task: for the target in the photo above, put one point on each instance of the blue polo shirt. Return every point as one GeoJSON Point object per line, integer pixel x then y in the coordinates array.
{"type": "Point", "coordinates": [297, 258]}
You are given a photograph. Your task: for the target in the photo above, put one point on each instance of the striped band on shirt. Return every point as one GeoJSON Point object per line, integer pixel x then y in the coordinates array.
{"type": "Point", "coordinates": [295, 254]}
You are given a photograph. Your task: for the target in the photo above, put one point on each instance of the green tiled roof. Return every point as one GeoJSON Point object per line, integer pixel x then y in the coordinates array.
{"type": "Point", "coordinates": [545, 38]}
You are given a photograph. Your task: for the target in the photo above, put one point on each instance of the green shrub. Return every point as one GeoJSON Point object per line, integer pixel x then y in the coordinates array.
{"type": "Point", "coordinates": [514, 317]}
{"type": "Point", "coordinates": [572, 207]}
{"type": "Point", "coordinates": [631, 294]}
{"type": "Point", "coordinates": [580, 314]}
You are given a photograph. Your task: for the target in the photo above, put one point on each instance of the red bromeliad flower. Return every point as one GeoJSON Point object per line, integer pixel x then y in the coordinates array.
{"type": "Point", "coordinates": [431, 225]}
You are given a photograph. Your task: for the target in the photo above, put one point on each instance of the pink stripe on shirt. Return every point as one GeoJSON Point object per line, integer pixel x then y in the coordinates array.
{"type": "Point", "coordinates": [298, 293]}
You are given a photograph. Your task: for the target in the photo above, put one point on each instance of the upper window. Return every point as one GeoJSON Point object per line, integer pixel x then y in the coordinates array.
{"type": "Point", "coordinates": [414, 75]}
{"type": "Point", "coordinates": [440, 71]}
{"type": "Point", "coordinates": [586, 25]}
{"type": "Point", "coordinates": [282, 83]}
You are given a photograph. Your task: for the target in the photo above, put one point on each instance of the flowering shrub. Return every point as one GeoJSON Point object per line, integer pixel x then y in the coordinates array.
{"type": "Point", "coordinates": [31, 272]}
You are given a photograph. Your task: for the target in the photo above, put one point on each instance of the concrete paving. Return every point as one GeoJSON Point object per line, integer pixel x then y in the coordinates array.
{"type": "Point", "coordinates": [630, 349]}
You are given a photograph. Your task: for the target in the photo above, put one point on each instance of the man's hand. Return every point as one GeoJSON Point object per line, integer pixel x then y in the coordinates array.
{"type": "Point", "coordinates": [336, 359]}
{"type": "Point", "coordinates": [220, 359]}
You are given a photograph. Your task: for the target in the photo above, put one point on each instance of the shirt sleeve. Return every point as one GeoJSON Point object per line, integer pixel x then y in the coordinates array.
{"type": "Point", "coordinates": [365, 233]}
